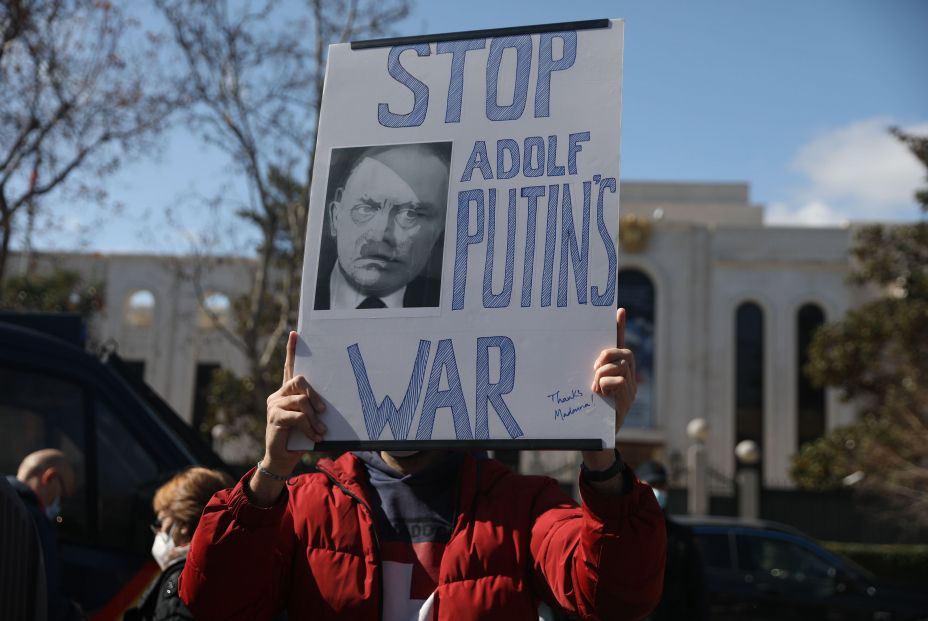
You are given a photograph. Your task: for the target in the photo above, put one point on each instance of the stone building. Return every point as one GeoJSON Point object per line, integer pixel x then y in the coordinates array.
{"type": "Point", "coordinates": [720, 306]}
{"type": "Point", "coordinates": [153, 316]}
{"type": "Point", "coordinates": [720, 311]}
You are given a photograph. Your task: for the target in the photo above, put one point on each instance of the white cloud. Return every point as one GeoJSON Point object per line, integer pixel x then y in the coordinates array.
{"type": "Point", "coordinates": [856, 172]}
{"type": "Point", "coordinates": [815, 213]}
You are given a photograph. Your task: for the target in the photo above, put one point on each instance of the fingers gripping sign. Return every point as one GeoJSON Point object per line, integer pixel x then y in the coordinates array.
{"type": "Point", "coordinates": [614, 373]}
{"type": "Point", "coordinates": [295, 405]}
{"type": "Point", "coordinates": [613, 378]}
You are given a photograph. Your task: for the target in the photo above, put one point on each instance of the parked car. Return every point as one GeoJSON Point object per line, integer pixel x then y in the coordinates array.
{"type": "Point", "coordinates": [123, 440]}
{"type": "Point", "coordinates": [761, 570]}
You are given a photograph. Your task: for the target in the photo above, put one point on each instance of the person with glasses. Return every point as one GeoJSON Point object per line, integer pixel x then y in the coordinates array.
{"type": "Point", "coordinates": [42, 480]}
{"type": "Point", "coordinates": [178, 505]}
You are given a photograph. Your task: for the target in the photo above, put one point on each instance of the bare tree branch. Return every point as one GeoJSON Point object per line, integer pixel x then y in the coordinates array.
{"type": "Point", "coordinates": [78, 98]}
{"type": "Point", "coordinates": [251, 74]}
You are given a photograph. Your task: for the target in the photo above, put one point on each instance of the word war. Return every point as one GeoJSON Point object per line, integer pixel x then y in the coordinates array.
{"type": "Point", "coordinates": [444, 366]}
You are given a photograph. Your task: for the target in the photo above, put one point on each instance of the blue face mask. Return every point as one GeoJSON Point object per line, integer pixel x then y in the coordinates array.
{"type": "Point", "coordinates": [661, 496]}
{"type": "Point", "coordinates": [53, 510]}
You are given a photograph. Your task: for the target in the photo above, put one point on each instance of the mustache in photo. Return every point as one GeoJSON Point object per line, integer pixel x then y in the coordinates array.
{"type": "Point", "coordinates": [378, 250]}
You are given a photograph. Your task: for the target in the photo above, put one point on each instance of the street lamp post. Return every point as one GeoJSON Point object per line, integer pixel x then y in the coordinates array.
{"type": "Point", "coordinates": [748, 479]}
{"type": "Point", "coordinates": [697, 497]}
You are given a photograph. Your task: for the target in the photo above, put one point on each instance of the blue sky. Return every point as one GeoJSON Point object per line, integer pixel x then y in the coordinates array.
{"type": "Point", "coordinates": [790, 97]}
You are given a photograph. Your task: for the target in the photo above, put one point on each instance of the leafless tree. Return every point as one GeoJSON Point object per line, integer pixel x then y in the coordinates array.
{"type": "Point", "coordinates": [253, 73]}
{"type": "Point", "coordinates": [76, 98]}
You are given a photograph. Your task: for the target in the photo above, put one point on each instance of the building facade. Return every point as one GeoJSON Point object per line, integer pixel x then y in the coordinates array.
{"type": "Point", "coordinates": [720, 311]}
{"type": "Point", "coordinates": [733, 305]}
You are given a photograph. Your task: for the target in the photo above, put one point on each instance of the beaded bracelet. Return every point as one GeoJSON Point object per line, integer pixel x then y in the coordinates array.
{"type": "Point", "coordinates": [265, 472]}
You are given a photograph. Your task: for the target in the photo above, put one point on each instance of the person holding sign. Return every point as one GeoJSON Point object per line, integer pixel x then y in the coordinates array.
{"type": "Point", "coordinates": [426, 535]}
{"type": "Point", "coordinates": [386, 216]}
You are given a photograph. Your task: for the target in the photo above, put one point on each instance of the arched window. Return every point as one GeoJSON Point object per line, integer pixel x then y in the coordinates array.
{"type": "Point", "coordinates": [635, 294]}
{"type": "Point", "coordinates": [214, 311]}
{"type": "Point", "coordinates": [810, 405]}
{"type": "Point", "coordinates": [749, 373]}
{"type": "Point", "coordinates": [139, 309]}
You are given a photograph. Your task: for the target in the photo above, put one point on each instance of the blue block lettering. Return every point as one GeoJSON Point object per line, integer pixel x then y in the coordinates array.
{"type": "Point", "coordinates": [420, 91]}
{"type": "Point", "coordinates": [523, 47]}
{"type": "Point", "coordinates": [501, 299]}
{"type": "Point", "coordinates": [458, 50]}
{"type": "Point", "coordinates": [376, 416]}
{"type": "Point", "coordinates": [553, 169]}
{"type": "Point", "coordinates": [547, 65]}
{"type": "Point", "coordinates": [534, 150]}
{"type": "Point", "coordinates": [463, 242]}
{"type": "Point", "coordinates": [579, 257]}
{"type": "Point", "coordinates": [532, 193]}
{"type": "Point", "coordinates": [452, 398]}
{"type": "Point", "coordinates": [478, 159]}
{"type": "Point", "coordinates": [547, 272]}
{"type": "Point", "coordinates": [504, 147]}
{"type": "Point", "coordinates": [606, 298]}
{"type": "Point", "coordinates": [492, 394]}
{"type": "Point", "coordinates": [573, 147]}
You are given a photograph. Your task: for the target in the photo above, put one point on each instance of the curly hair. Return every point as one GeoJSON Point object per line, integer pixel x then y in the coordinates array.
{"type": "Point", "coordinates": [186, 494]}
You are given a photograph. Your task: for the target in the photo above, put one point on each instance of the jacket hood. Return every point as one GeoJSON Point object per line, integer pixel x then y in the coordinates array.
{"type": "Point", "coordinates": [477, 475]}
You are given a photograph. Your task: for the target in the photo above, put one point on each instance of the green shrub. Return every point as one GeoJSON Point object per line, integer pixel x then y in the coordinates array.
{"type": "Point", "coordinates": [905, 563]}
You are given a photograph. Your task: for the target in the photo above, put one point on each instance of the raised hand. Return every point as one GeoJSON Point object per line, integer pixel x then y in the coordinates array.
{"type": "Point", "coordinates": [613, 376]}
{"type": "Point", "coordinates": [294, 406]}
{"type": "Point", "coordinates": [614, 373]}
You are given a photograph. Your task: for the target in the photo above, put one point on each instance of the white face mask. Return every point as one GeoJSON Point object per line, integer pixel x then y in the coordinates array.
{"type": "Point", "coordinates": [164, 550]}
{"type": "Point", "coordinates": [161, 549]}
{"type": "Point", "coordinates": [53, 509]}
{"type": "Point", "coordinates": [661, 496]}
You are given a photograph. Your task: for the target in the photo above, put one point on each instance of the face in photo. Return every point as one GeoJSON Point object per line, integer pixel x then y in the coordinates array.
{"type": "Point", "coordinates": [387, 217]}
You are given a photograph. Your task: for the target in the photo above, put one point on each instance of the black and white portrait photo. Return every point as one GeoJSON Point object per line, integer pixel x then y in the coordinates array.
{"type": "Point", "coordinates": [383, 234]}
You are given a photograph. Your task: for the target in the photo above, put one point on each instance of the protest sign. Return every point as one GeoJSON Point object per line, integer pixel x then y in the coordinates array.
{"type": "Point", "coordinates": [460, 269]}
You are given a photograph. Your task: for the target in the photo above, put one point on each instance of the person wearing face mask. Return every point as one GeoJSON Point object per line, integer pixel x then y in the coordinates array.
{"type": "Point", "coordinates": [42, 480]}
{"type": "Point", "coordinates": [684, 595]}
{"type": "Point", "coordinates": [178, 505]}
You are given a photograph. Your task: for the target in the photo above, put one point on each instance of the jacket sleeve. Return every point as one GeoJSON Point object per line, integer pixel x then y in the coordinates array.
{"type": "Point", "coordinates": [604, 560]}
{"type": "Point", "coordinates": [239, 558]}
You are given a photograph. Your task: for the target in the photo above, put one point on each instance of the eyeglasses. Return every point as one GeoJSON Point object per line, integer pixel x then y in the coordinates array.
{"type": "Point", "coordinates": [158, 524]}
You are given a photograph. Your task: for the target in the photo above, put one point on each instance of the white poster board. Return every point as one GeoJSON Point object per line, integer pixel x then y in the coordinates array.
{"type": "Point", "coordinates": [465, 195]}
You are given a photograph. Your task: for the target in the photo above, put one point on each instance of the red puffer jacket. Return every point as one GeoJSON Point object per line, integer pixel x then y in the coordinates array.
{"type": "Point", "coordinates": [516, 540]}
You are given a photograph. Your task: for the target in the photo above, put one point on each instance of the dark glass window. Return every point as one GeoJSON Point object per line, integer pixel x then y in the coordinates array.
{"type": "Point", "coordinates": [715, 549]}
{"type": "Point", "coordinates": [635, 293]}
{"type": "Point", "coordinates": [38, 411]}
{"type": "Point", "coordinates": [749, 373]}
{"type": "Point", "coordinates": [810, 405]}
{"type": "Point", "coordinates": [781, 560]}
{"type": "Point", "coordinates": [128, 477]}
